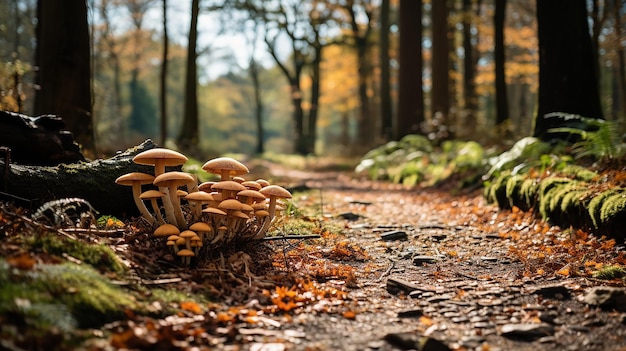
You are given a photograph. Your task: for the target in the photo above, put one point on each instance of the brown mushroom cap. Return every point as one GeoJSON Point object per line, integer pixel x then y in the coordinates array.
{"type": "Point", "coordinates": [201, 227]}
{"type": "Point", "coordinates": [230, 204]}
{"type": "Point", "coordinates": [199, 196]}
{"type": "Point", "coordinates": [172, 179]}
{"type": "Point", "coordinates": [166, 230]}
{"type": "Point", "coordinates": [229, 185]}
{"type": "Point", "coordinates": [159, 158]}
{"type": "Point", "coordinates": [151, 194]}
{"type": "Point", "coordinates": [263, 182]}
{"type": "Point", "coordinates": [251, 184]}
{"type": "Point", "coordinates": [135, 178]}
{"type": "Point", "coordinates": [275, 191]}
{"type": "Point", "coordinates": [206, 186]}
{"type": "Point", "coordinates": [225, 167]}
{"type": "Point", "coordinates": [187, 234]}
{"type": "Point", "coordinates": [213, 210]}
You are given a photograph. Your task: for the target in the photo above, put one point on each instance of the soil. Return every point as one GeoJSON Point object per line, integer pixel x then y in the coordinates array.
{"type": "Point", "coordinates": [393, 269]}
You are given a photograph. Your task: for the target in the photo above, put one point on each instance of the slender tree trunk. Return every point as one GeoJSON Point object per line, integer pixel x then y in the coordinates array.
{"type": "Point", "coordinates": [502, 105]}
{"type": "Point", "coordinates": [410, 113]}
{"type": "Point", "coordinates": [258, 103]}
{"type": "Point", "coordinates": [64, 73]}
{"type": "Point", "coordinates": [315, 96]}
{"type": "Point", "coordinates": [469, 70]}
{"type": "Point", "coordinates": [440, 60]}
{"type": "Point", "coordinates": [386, 112]}
{"type": "Point", "coordinates": [163, 90]}
{"type": "Point", "coordinates": [365, 125]}
{"type": "Point", "coordinates": [621, 60]}
{"type": "Point", "coordinates": [567, 81]}
{"type": "Point", "coordinates": [188, 136]}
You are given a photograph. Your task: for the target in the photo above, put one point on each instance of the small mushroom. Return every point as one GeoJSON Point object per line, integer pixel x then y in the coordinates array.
{"type": "Point", "coordinates": [172, 241]}
{"type": "Point", "coordinates": [228, 188]}
{"type": "Point", "coordinates": [252, 185]}
{"type": "Point", "coordinates": [186, 255]}
{"type": "Point", "coordinates": [202, 228]}
{"type": "Point", "coordinates": [273, 192]}
{"type": "Point", "coordinates": [196, 200]}
{"type": "Point", "coordinates": [136, 180]}
{"type": "Point", "coordinates": [165, 230]}
{"type": "Point", "coordinates": [225, 167]}
{"type": "Point", "coordinates": [263, 182]}
{"type": "Point", "coordinates": [187, 235]}
{"type": "Point", "coordinates": [159, 158]}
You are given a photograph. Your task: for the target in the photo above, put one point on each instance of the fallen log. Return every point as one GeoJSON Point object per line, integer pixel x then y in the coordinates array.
{"type": "Point", "coordinates": [38, 140]}
{"type": "Point", "coordinates": [93, 181]}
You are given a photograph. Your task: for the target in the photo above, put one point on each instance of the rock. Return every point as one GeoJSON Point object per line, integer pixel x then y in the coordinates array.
{"type": "Point", "coordinates": [394, 235]}
{"type": "Point", "coordinates": [411, 341]}
{"type": "Point", "coordinates": [396, 285]}
{"type": "Point", "coordinates": [420, 260]}
{"type": "Point", "coordinates": [607, 298]}
{"type": "Point", "coordinates": [526, 331]}
{"type": "Point", "coordinates": [349, 216]}
{"type": "Point", "coordinates": [555, 291]}
{"type": "Point", "coordinates": [410, 313]}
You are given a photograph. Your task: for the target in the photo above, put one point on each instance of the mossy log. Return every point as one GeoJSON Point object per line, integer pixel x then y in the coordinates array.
{"type": "Point", "coordinates": [93, 181]}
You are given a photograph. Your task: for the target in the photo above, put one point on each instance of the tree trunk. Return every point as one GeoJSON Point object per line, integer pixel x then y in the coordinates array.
{"type": "Point", "coordinates": [93, 181]}
{"type": "Point", "coordinates": [364, 121]}
{"type": "Point", "coordinates": [64, 72]}
{"type": "Point", "coordinates": [469, 71]}
{"type": "Point", "coordinates": [253, 70]}
{"type": "Point", "coordinates": [311, 136]}
{"type": "Point", "coordinates": [567, 79]}
{"type": "Point", "coordinates": [386, 112]}
{"type": "Point", "coordinates": [410, 113]}
{"type": "Point", "coordinates": [621, 61]}
{"type": "Point", "coordinates": [188, 136]}
{"type": "Point", "coordinates": [502, 105]}
{"type": "Point", "coordinates": [440, 60]}
{"type": "Point", "coordinates": [163, 77]}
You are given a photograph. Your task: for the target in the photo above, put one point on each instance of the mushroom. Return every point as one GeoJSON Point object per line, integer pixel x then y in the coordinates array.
{"type": "Point", "coordinates": [136, 180]}
{"type": "Point", "coordinates": [186, 255]}
{"type": "Point", "coordinates": [196, 244]}
{"type": "Point", "coordinates": [239, 179]}
{"type": "Point", "coordinates": [165, 230]}
{"type": "Point", "coordinates": [263, 182]}
{"type": "Point", "coordinates": [215, 215]}
{"type": "Point", "coordinates": [273, 192]}
{"type": "Point", "coordinates": [187, 235]}
{"type": "Point", "coordinates": [225, 167]}
{"type": "Point", "coordinates": [159, 158]}
{"type": "Point", "coordinates": [171, 181]}
{"type": "Point", "coordinates": [153, 195]}
{"type": "Point", "coordinates": [228, 188]}
{"type": "Point", "coordinates": [221, 231]}
{"type": "Point", "coordinates": [230, 206]}
{"type": "Point", "coordinates": [201, 228]}
{"type": "Point", "coordinates": [196, 200]}
{"type": "Point", "coordinates": [171, 241]}
{"type": "Point", "coordinates": [250, 196]}
{"type": "Point", "coordinates": [206, 186]}
{"type": "Point", "coordinates": [252, 185]}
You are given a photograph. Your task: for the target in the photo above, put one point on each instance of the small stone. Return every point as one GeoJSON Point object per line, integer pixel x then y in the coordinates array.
{"type": "Point", "coordinates": [526, 331]}
{"type": "Point", "coordinates": [408, 341]}
{"type": "Point", "coordinates": [394, 235]}
{"type": "Point", "coordinates": [559, 292]}
{"type": "Point", "coordinates": [489, 258]}
{"type": "Point", "coordinates": [420, 260]}
{"type": "Point", "coordinates": [410, 313]}
{"type": "Point", "coordinates": [607, 297]}
{"type": "Point", "coordinates": [349, 216]}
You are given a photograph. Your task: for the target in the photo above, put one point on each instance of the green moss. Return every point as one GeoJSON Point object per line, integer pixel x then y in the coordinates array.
{"type": "Point", "coordinates": [571, 200]}
{"type": "Point", "coordinates": [610, 272]}
{"type": "Point", "coordinates": [97, 255]}
{"type": "Point", "coordinates": [65, 295]}
{"type": "Point", "coordinates": [546, 193]}
{"type": "Point", "coordinates": [528, 191]}
{"type": "Point", "coordinates": [513, 187]}
{"type": "Point", "coordinates": [612, 207]}
{"type": "Point", "coordinates": [595, 206]}
{"type": "Point", "coordinates": [578, 172]}
{"type": "Point", "coordinates": [496, 191]}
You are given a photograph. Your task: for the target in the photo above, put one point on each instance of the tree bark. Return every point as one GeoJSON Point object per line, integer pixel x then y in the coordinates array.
{"type": "Point", "coordinates": [188, 136]}
{"type": "Point", "coordinates": [469, 70]}
{"type": "Point", "coordinates": [163, 77]}
{"type": "Point", "coordinates": [440, 60]}
{"type": "Point", "coordinates": [567, 77]}
{"type": "Point", "coordinates": [93, 181]}
{"type": "Point", "coordinates": [386, 112]}
{"type": "Point", "coordinates": [502, 105]}
{"type": "Point", "coordinates": [64, 73]}
{"type": "Point", "coordinates": [410, 113]}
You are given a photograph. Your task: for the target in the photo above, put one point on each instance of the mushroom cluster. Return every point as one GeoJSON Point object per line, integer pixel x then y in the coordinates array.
{"type": "Point", "coordinates": [211, 214]}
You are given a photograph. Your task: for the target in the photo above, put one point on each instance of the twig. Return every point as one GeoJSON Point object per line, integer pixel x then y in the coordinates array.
{"type": "Point", "coordinates": [386, 272]}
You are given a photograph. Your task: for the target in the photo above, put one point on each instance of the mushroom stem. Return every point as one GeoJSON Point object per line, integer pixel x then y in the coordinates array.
{"type": "Point", "coordinates": [178, 212]}
{"type": "Point", "coordinates": [140, 205]}
{"type": "Point", "coordinates": [157, 210]}
{"type": "Point", "coordinates": [167, 205]}
{"type": "Point", "coordinates": [268, 219]}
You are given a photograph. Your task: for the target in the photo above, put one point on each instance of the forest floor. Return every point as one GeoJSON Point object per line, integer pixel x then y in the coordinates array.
{"type": "Point", "coordinates": [393, 269]}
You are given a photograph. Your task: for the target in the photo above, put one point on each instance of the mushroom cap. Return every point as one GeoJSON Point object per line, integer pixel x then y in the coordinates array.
{"type": "Point", "coordinates": [166, 230]}
{"type": "Point", "coordinates": [255, 195]}
{"type": "Point", "coordinates": [201, 227]}
{"type": "Point", "coordinates": [259, 206]}
{"type": "Point", "coordinates": [276, 191]}
{"type": "Point", "coordinates": [185, 253]}
{"type": "Point", "coordinates": [216, 166]}
{"type": "Point", "coordinates": [229, 204]}
{"type": "Point", "coordinates": [168, 157]}
{"type": "Point", "coordinates": [134, 178]}
{"type": "Point", "coordinates": [263, 182]}
{"type": "Point", "coordinates": [261, 213]}
{"type": "Point", "coordinates": [251, 184]}
{"type": "Point", "coordinates": [239, 179]}
{"type": "Point", "coordinates": [181, 193]}
{"type": "Point", "coordinates": [214, 210]}
{"type": "Point", "coordinates": [246, 207]}
{"type": "Point", "coordinates": [180, 241]}
{"type": "Point", "coordinates": [173, 237]}
{"type": "Point", "coordinates": [151, 194]}
{"type": "Point", "coordinates": [240, 214]}
{"type": "Point", "coordinates": [173, 178]}
{"type": "Point", "coordinates": [199, 196]}
{"type": "Point", "coordinates": [187, 234]}
{"type": "Point", "coordinates": [206, 186]}
{"type": "Point", "coordinates": [228, 185]}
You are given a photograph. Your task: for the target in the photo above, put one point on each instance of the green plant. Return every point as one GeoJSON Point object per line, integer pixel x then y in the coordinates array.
{"type": "Point", "coordinates": [610, 272]}
{"type": "Point", "coordinates": [598, 138]}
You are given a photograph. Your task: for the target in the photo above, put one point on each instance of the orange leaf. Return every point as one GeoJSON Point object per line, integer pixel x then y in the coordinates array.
{"type": "Point", "coordinates": [349, 314]}
{"type": "Point", "coordinates": [21, 261]}
{"type": "Point", "coordinates": [191, 307]}
{"type": "Point", "coordinates": [564, 272]}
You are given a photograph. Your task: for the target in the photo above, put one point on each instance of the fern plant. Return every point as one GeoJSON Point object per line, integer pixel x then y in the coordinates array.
{"type": "Point", "coordinates": [598, 138]}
